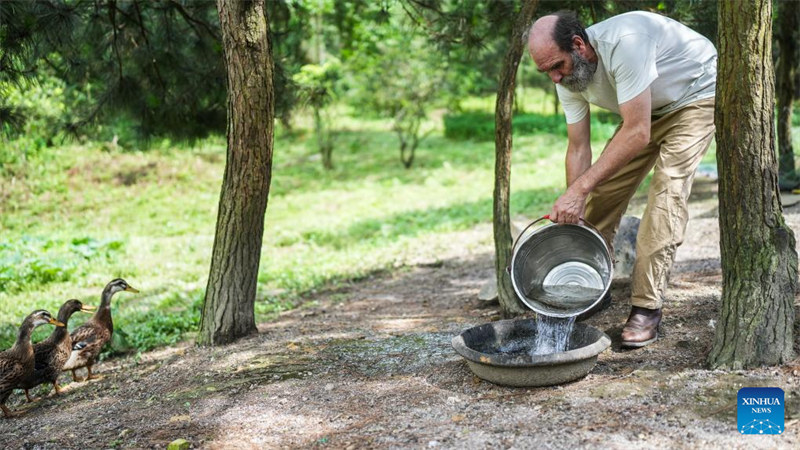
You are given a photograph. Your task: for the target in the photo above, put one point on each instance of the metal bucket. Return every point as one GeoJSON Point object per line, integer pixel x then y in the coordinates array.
{"type": "Point", "coordinates": [561, 270]}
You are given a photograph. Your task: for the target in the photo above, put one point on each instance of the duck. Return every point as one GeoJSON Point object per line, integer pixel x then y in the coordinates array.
{"type": "Point", "coordinates": [51, 354]}
{"type": "Point", "coordinates": [17, 363]}
{"type": "Point", "coordinates": [89, 338]}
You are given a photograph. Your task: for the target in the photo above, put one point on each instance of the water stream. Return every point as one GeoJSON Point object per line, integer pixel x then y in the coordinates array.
{"type": "Point", "coordinates": [552, 335]}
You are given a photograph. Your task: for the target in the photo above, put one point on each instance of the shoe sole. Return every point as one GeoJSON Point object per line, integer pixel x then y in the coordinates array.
{"type": "Point", "coordinates": [638, 344]}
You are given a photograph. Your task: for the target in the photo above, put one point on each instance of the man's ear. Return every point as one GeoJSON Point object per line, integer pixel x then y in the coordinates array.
{"type": "Point", "coordinates": [578, 44]}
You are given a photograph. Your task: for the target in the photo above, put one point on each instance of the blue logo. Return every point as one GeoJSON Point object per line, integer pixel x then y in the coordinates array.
{"type": "Point", "coordinates": [761, 410]}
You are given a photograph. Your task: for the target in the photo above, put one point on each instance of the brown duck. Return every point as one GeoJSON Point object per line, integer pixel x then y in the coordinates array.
{"type": "Point", "coordinates": [16, 363]}
{"type": "Point", "coordinates": [52, 353]}
{"type": "Point", "coordinates": [89, 338]}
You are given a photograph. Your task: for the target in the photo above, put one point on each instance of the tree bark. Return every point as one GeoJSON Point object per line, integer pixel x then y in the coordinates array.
{"type": "Point", "coordinates": [228, 309]}
{"type": "Point", "coordinates": [789, 20]}
{"type": "Point", "coordinates": [759, 261]}
{"type": "Point", "coordinates": [509, 303]}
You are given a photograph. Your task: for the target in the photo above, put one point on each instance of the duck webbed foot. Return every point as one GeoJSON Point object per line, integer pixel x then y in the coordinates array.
{"type": "Point", "coordinates": [75, 376]}
{"type": "Point", "coordinates": [29, 398]}
{"type": "Point", "coordinates": [94, 377]}
{"type": "Point", "coordinates": [90, 376]}
{"type": "Point", "coordinates": [11, 414]}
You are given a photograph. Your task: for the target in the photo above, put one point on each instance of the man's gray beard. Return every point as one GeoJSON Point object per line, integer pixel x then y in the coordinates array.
{"type": "Point", "coordinates": [582, 73]}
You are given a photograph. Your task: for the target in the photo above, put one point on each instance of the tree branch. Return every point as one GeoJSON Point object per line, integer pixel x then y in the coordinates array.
{"type": "Point", "coordinates": [143, 32]}
{"type": "Point", "coordinates": [112, 15]}
{"type": "Point", "coordinates": [193, 21]}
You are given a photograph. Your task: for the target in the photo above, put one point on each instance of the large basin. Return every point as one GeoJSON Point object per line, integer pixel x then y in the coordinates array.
{"type": "Point", "coordinates": [500, 352]}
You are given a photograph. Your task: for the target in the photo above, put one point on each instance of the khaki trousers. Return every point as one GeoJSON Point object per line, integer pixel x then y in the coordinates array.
{"type": "Point", "coordinates": [678, 141]}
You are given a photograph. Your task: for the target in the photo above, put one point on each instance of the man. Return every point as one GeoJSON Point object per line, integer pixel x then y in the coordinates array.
{"type": "Point", "coordinates": [660, 76]}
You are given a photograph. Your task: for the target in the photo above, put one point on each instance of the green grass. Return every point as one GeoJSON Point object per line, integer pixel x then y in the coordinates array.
{"type": "Point", "coordinates": [74, 217]}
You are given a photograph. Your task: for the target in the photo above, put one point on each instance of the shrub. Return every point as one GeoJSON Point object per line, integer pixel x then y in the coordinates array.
{"type": "Point", "coordinates": [537, 123]}
{"type": "Point", "coordinates": [479, 126]}
{"type": "Point", "coordinates": [476, 126]}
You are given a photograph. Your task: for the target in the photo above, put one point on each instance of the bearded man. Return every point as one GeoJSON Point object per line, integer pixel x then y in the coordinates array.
{"type": "Point", "coordinates": [660, 77]}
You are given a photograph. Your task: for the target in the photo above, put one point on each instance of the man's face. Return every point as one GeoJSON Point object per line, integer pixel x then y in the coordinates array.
{"type": "Point", "coordinates": [582, 73]}
{"type": "Point", "coordinates": [570, 69]}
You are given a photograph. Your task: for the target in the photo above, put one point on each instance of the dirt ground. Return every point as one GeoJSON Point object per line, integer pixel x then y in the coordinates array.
{"type": "Point", "coordinates": [370, 365]}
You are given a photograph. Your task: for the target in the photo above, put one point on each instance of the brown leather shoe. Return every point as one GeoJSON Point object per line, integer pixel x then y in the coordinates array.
{"type": "Point", "coordinates": [641, 328]}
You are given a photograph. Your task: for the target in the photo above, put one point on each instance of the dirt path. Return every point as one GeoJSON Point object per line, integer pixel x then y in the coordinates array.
{"type": "Point", "coordinates": [370, 365]}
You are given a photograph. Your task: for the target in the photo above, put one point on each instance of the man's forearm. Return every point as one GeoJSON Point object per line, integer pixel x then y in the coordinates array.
{"type": "Point", "coordinates": [624, 146]}
{"type": "Point", "coordinates": [577, 162]}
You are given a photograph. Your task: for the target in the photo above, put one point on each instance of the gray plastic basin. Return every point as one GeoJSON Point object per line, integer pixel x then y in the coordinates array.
{"type": "Point", "coordinates": [480, 346]}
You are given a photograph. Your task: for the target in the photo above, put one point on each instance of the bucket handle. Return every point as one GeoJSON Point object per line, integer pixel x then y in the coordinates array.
{"type": "Point", "coordinates": [547, 216]}
{"type": "Point", "coordinates": [514, 246]}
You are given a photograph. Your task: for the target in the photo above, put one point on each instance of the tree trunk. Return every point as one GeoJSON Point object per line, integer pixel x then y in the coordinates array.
{"type": "Point", "coordinates": [788, 16]}
{"type": "Point", "coordinates": [509, 304]}
{"type": "Point", "coordinates": [759, 261]}
{"type": "Point", "coordinates": [228, 310]}
{"type": "Point", "coordinates": [555, 100]}
{"type": "Point", "coordinates": [408, 133]}
{"type": "Point", "coordinates": [324, 139]}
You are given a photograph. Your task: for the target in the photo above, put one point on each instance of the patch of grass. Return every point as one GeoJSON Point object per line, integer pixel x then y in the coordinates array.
{"type": "Point", "coordinates": [33, 261]}
{"type": "Point", "coordinates": [165, 321]}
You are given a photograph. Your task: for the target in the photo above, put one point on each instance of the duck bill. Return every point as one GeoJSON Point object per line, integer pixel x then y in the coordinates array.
{"type": "Point", "coordinates": [56, 323]}
{"type": "Point", "coordinates": [131, 289]}
{"type": "Point", "coordinates": [88, 309]}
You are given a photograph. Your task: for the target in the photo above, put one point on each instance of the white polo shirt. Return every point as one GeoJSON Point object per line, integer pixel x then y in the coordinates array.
{"type": "Point", "coordinates": [640, 49]}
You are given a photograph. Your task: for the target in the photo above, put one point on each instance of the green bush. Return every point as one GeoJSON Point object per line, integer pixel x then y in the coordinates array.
{"type": "Point", "coordinates": [475, 126]}
{"type": "Point", "coordinates": [479, 126]}
{"type": "Point", "coordinates": [537, 123]}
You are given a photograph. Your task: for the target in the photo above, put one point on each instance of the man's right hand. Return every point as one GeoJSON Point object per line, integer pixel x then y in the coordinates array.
{"type": "Point", "coordinates": [569, 207]}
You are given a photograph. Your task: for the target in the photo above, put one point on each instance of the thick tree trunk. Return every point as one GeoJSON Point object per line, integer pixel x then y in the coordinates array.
{"type": "Point", "coordinates": [759, 262]}
{"type": "Point", "coordinates": [789, 20]}
{"type": "Point", "coordinates": [509, 304]}
{"type": "Point", "coordinates": [228, 310]}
